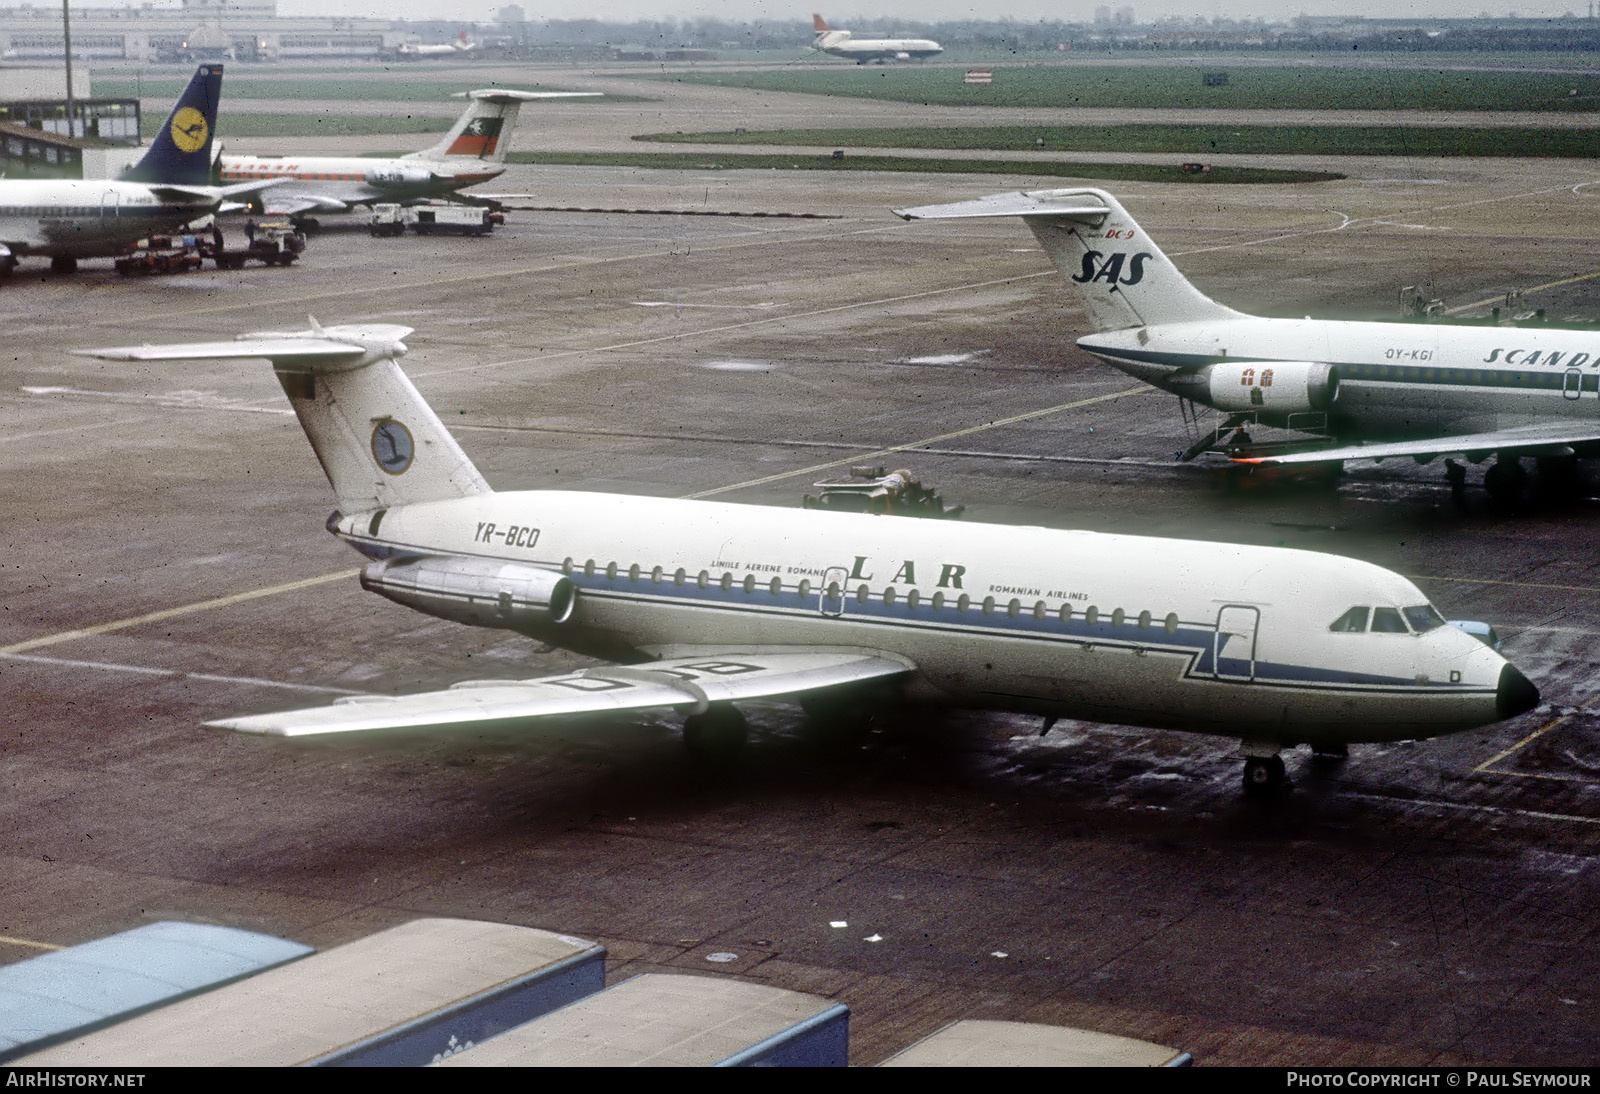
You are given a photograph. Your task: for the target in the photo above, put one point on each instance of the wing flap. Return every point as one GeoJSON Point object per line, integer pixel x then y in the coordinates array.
{"type": "Point", "coordinates": [1523, 440]}
{"type": "Point", "coordinates": [694, 682]}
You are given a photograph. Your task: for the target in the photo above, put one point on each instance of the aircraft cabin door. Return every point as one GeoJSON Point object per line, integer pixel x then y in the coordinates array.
{"type": "Point", "coordinates": [1572, 384]}
{"type": "Point", "coordinates": [1233, 650]}
{"type": "Point", "coordinates": [830, 597]}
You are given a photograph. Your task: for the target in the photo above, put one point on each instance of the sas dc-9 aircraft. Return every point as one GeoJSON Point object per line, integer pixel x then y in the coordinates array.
{"type": "Point", "coordinates": [68, 219]}
{"type": "Point", "coordinates": [1367, 390]}
{"type": "Point", "coordinates": [473, 151]}
{"type": "Point", "coordinates": [704, 604]}
{"type": "Point", "coordinates": [839, 43]}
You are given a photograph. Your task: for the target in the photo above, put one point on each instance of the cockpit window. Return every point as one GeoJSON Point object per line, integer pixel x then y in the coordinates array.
{"type": "Point", "coordinates": [1387, 621]}
{"type": "Point", "coordinates": [1423, 618]}
{"type": "Point", "coordinates": [1353, 620]}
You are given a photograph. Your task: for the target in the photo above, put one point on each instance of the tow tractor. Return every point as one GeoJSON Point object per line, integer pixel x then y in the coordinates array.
{"type": "Point", "coordinates": [271, 242]}
{"type": "Point", "coordinates": [870, 490]}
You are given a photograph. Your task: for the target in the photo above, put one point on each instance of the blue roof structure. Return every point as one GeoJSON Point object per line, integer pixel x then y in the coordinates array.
{"type": "Point", "coordinates": [62, 994]}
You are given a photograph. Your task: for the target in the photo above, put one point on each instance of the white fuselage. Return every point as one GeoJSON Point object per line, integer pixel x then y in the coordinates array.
{"type": "Point", "coordinates": [74, 218]}
{"type": "Point", "coordinates": [1190, 635]}
{"type": "Point", "coordinates": [840, 44]}
{"type": "Point", "coordinates": [354, 180]}
{"type": "Point", "coordinates": [1393, 379]}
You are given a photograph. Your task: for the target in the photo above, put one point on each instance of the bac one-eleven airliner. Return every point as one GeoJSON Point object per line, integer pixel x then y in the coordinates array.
{"type": "Point", "coordinates": [705, 604]}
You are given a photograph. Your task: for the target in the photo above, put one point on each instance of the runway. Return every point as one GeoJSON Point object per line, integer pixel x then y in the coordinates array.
{"type": "Point", "coordinates": [165, 564]}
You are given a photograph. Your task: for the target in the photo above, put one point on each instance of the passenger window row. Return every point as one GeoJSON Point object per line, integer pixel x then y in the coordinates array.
{"type": "Point", "coordinates": [890, 595]}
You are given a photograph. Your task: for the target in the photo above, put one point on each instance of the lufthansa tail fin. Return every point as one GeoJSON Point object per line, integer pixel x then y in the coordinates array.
{"type": "Point", "coordinates": [483, 131]}
{"type": "Point", "coordinates": [181, 152]}
{"type": "Point", "coordinates": [1108, 262]}
{"type": "Point", "coordinates": [379, 442]}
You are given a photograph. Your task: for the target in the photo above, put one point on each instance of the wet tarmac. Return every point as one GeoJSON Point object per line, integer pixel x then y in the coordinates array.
{"type": "Point", "coordinates": [164, 564]}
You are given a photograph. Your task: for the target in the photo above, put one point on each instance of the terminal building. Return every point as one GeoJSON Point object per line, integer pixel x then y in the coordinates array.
{"type": "Point", "coordinates": [43, 134]}
{"type": "Point", "coordinates": [190, 30]}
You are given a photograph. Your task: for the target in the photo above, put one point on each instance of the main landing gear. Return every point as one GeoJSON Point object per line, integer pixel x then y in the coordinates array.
{"type": "Point", "coordinates": [716, 737]}
{"type": "Point", "coordinates": [1505, 480]}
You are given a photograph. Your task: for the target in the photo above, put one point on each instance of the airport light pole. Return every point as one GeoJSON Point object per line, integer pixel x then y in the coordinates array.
{"type": "Point", "coordinates": [66, 34]}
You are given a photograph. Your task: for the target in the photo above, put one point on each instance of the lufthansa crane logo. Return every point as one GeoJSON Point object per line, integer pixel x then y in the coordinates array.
{"type": "Point", "coordinates": [189, 129]}
{"type": "Point", "coordinates": [392, 446]}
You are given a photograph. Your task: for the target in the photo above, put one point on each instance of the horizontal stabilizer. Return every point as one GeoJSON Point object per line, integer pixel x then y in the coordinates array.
{"type": "Point", "coordinates": [188, 195]}
{"type": "Point", "coordinates": [1070, 204]}
{"type": "Point", "coordinates": [1527, 440]}
{"type": "Point", "coordinates": [694, 682]}
{"type": "Point", "coordinates": [268, 349]}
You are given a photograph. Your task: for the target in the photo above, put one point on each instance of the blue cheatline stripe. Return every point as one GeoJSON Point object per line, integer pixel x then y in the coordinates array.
{"type": "Point", "coordinates": [1192, 640]}
{"type": "Point", "coordinates": [1361, 372]}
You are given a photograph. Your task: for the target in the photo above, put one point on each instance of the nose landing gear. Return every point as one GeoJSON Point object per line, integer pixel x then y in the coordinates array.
{"type": "Point", "coordinates": [1264, 776]}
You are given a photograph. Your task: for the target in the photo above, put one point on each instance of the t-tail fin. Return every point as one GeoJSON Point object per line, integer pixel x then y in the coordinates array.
{"type": "Point", "coordinates": [483, 132]}
{"type": "Point", "coordinates": [1108, 262]}
{"type": "Point", "coordinates": [181, 153]}
{"type": "Point", "coordinates": [380, 444]}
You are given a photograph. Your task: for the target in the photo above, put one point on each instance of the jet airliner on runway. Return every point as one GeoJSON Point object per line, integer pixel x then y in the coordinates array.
{"type": "Point", "coordinates": [473, 151]}
{"type": "Point", "coordinates": [1370, 390]}
{"type": "Point", "coordinates": [839, 43]}
{"type": "Point", "coordinates": [705, 604]}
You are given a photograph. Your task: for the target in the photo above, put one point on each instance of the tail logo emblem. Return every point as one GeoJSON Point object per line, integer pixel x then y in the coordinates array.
{"type": "Point", "coordinates": [189, 129]}
{"type": "Point", "coordinates": [392, 446]}
{"type": "Point", "coordinates": [1110, 270]}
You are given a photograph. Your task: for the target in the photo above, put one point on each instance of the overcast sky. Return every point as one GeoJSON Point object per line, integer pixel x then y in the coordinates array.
{"type": "Point", "coordinates": [840, 13]}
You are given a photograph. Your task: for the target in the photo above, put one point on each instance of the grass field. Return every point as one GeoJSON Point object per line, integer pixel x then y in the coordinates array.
{"type": "Point", "coordinates": [240, 124]}
{"type": "Point", "coordinates": [1149, 86]}
{"type": "Point", "coordinates": [1189, 140]}
{"type": "Point", "coordinates": [354, 88]}
{"type": "Point", "coordinates": [1117, 172]}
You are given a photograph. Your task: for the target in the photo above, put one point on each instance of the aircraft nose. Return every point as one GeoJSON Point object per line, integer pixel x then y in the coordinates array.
{"type": "Point", "coordinates": [1515, 694]}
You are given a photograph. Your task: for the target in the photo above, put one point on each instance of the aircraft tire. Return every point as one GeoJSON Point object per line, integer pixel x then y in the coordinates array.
{"type": "Point", "coordinates": [1505, 480]}
{"type": "Point", "coordinates": [1264, 775]}
{"type": "Point", "coordinates": [837, 725]}
{"type": "Point", "coordinates": [717, 737]}
{"type": "Point", "coordinates": [62, 264]}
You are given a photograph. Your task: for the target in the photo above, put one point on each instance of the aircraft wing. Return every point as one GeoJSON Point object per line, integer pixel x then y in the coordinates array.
{"type": "Point", "coordinates": [1527, 440]}
{"type": "Point", "coordinates": [1073, 205]}
{"type": "Point", "coordinates": [293, 204]}
{"type": "Point", "coordinates": [716, 677]}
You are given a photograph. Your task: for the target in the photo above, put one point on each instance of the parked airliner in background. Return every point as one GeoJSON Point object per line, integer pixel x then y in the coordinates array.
{"type": "Point", "coordinates": [839, 43]}
{"type": "Point", "coordinates": [473, 151]}
{"type": "Point", "coordinates": [68, 219]}
{"type": "Point", "coordinates": [706, 604]}
{"type": "Point", "coordinates": [1368, 390]}
{"type": "Point", "coordinates": [462, 48]}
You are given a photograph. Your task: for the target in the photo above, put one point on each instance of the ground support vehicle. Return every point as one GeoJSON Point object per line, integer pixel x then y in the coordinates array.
{"type": "Point", "coordinates": [160, 255]}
